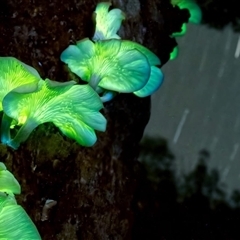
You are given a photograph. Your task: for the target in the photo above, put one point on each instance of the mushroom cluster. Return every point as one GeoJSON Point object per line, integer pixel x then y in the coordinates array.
{"type": "Point", "coordinates": [109, 64]}
{"type": "Point", "coordinates": [28, 101]}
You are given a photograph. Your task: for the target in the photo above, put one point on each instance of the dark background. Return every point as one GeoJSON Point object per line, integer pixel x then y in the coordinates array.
{"type": "Point", "coordinates": [192, 139]}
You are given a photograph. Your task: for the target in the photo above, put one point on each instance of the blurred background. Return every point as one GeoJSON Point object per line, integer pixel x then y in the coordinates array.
{"type": "Point", "coordinates": [189, 160]}
{"type": "Point", "coordinates": [197, 106]}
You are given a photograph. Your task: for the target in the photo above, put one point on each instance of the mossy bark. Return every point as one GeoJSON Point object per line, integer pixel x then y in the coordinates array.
{"type": "Point", "coordinates": [93, 187]}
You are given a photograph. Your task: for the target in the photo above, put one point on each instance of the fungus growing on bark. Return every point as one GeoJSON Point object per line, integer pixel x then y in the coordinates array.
{"type": "Point", "coordinates": [107, 22]}
{"type": "Point", "coordinates": [108, 64]}
{"type": "Point", "coordinates": [194, 10]}
{"type": "Point", "coordinates": [8, 183]}
{"type": "Point", "coordinates": [16, 75]}
{"type": "Point", "coordinates": [74, 109]}
{"type": "Point", "coordinates": [14, 221]}
{"type": "Point", "coordinates": [156, 77]}
{"type": "Point", "coordinates": [174, 53]}
{"type": "Point", "coordinates": [183, 31]}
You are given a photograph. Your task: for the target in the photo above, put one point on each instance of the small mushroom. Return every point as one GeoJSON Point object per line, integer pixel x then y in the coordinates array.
{"type": "Point", "coordinates": [107, 22]}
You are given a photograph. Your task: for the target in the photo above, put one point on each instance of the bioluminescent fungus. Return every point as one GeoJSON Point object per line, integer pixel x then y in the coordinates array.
{"type": "Point", "coordinates": [182, 32]}
{"type": "Point", "coordinates": [192, 7]}
{"type": "Point", "coordinates": [8, 183]}
{"type": "Point", "coordinates": [111, 64]}
{"type": "Point", "coordinates": [195, 17]}
{"type": "Point", "coordinates": [156, 77]}
{"type": "Point", "coordinates": [14, 221]}
{"type": "Point", "coordinates": [107, 22]}
{"type": "Point", "coordinates": [108, 64]}
{"type": "Point", "coordinates": [16, 75]}
{"type": "Point", "coordinates": [153, 84]}
{"type": "Point", "coordinates": [174, 53]}
{"type": "Point", "coordinates": [194, 10]}
{"type": "Point", "coordinates": [74, 109]}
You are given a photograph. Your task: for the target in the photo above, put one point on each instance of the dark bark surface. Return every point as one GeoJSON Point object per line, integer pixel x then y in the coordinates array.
{"type": "Point", "coordinates": [93, 187]}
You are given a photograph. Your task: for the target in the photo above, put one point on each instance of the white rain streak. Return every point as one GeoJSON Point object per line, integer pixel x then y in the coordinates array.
{"type": "Point", "coordinates": [229, 39]}
{"type": "Point", "coordinates": [237, 52]}
{"type": "Point", "coordinates": [234, 152]}
{"type": "Point", "coordinates": [180, 126]}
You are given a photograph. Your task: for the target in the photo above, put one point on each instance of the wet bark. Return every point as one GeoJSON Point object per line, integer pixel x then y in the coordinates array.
{"type": "Point", "coordinates": [93, 187]}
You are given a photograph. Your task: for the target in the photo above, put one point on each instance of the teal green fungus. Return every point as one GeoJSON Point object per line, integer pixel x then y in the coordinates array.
{"type": "Point", "coordinates": [74, 109]}
{"type": "Point", "coordinates": [16, 76]}
{"type": "Point", "coordinates": [108, 64]}
{"type": "Point", "coordinates": [110, 23]}
{"type": "Point", "coordinates": [14, 221]}
{"type": "Point", "coordinates": [8, 183]}
{"type": "Point", "coordinates": [107, 22]}
{"type": "Point", "coordinates": [115, 65]}
{"type": "Point", "coordinates": [192, 7]}
{"type": "Point", "coordinates": [182, 32]}
{"type": "Point", "coordinates": [112, 65]}
{"type": "Point", "coordinates": [174, 53]}
{"type": "Point", "coordinates": [194, 10]}
{"type": "Point", "coordinates": [153, 84]}
{"type": "Point", "coordinates": [195, 17]}
{"type": "Point", "coordinates": [155, 79]}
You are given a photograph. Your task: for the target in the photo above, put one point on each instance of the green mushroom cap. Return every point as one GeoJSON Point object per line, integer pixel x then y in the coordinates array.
{"type": "Point", "coordinates": [174, 53]}
{"type": "Point", "coordinates": [193, 8]}
{"type": "Point", "coordinates": [8, 183]}
{"type": "Point", "coordinates": [155, 79]}
{"type": "Point", "coordinates": [182, 32]}
{"type": "Point", "coordinates": [17, 76]}
{"type": "Point", "coordinates": [108, 64]}
{"type": "Point", "coordinates": [154, 83]}
{"type": "Point", "coordinates": [74, 109]}
{"type": "Point", "coordinates": [14, 221]}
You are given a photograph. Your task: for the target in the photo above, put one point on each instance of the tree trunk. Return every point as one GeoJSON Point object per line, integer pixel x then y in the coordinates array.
{"type": "Point", "coordinates": [93, 187]}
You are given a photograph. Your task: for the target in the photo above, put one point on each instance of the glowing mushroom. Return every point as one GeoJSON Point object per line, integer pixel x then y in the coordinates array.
{"type": "Point", "coordinates": [16, 75]}
{"type": "Point", "coordinates": [74, 109]}
{"type": "Point", "coordinates": [182, 32]}
{"type": "Point", "coordinates": [109, 64]}
{"type": "Point", "coordinates": [174, 53]}
{"type": "Point", "coordinates": [156, 77]}
{"type": "Point", "coordinates": [8, 183]}
{"type": "Point", "coordinates": [194, 10]}
{"type": "Point", "coordinates": [14, 221]}
{"type": "Point", "coordinates": [107, 22]}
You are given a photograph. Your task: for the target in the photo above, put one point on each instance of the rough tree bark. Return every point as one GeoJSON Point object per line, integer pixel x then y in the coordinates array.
{"type": "Point", "coordinates": [93, 187]}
